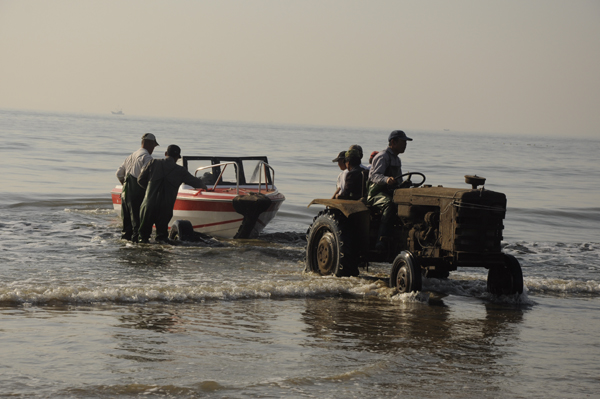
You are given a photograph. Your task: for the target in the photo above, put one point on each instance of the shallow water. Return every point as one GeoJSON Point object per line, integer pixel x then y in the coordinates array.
{"type": "Point", "coordinates": [84, 314]}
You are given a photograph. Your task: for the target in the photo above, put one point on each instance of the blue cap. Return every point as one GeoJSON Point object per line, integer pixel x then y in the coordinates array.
{"type": "Point", "coordinates": [398, 134]}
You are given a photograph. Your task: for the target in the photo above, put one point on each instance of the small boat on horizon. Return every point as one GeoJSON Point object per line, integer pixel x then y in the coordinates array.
{"type": "Point", "coordinates": [239, 202]}
{"type": "Point", "coordinates": [117, 112]}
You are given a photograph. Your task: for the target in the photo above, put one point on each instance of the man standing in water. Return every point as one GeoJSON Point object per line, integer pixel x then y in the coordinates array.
{"type": "Point", "coordinates": [386, 169]}
{"type": "Point", "coordinates": [161, 178]}
{"type": "Point", "coordinates": [132, 194]}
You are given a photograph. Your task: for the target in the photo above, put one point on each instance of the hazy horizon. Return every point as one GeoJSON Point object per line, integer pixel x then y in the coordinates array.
{"type": "Point", "coordinates": [494, 66]}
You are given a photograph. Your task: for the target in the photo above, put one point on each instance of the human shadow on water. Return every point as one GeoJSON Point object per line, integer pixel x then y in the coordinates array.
{"type": "Point", "coordinates": [156, 331]}
{"type": "Point", "coordinates": [145, 255]}
{"type": "Point", "coordinates": [147, 345]}
{"type": "Point", "coordinates": [157, 318]}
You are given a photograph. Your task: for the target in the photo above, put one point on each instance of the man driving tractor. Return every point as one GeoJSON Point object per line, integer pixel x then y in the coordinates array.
{"type": "Point", "coordinates": [386, 169]}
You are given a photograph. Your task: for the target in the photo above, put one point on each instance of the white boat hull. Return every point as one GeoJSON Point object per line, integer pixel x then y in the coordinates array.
{"type": "Point", "coordinates": [212, 212]}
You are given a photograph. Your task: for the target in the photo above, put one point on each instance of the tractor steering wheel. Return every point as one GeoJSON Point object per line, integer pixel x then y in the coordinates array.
{"type": "Point", "coordinates": [410, 174]}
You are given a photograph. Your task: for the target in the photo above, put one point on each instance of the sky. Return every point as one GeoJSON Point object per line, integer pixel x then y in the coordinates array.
{"type": "Point", "coordinates": [502, 66]}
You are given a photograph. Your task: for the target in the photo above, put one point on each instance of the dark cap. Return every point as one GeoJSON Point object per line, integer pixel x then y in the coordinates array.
{"type": "Point", "coordinates": [357, 148]}
{"type": "Point", "coordinates": [150, 137]}
{"type": "Point", "coordinates": [398, 134]}
{"type": "Point", "coordinates": [352, 154]}
{"type": "Point", "coordinates": [341, 156]}
{"type": "Point", "coordinates": [174, 151]}
{"type": "Point", "coordinates": [373, 154]}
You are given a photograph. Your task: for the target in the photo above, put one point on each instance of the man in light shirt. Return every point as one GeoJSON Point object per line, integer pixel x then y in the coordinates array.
{"type": "Point", "coordinates": [133, 194]}
{"type": "Point", "coordinates": [341, 161]}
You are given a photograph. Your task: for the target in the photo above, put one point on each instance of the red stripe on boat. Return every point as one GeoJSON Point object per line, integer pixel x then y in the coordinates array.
{"type": "Point", "coordinates": [199, 226]}
{"type": "Point", "coordinates": [207, 206]}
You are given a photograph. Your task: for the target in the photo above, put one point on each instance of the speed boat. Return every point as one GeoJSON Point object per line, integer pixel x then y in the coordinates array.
{"type": "Point", "coordinates": [236, 204]}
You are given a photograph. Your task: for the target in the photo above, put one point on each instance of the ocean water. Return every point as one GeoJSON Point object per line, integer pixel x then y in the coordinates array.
{"type": "Point", "coordinates": [84, 314]}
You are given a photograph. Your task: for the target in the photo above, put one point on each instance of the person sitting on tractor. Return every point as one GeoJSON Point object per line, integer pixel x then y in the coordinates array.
{"type": "Point", "coordinates": [341, 161]}
{"type": "Point", "coordinates": [371, 159]}
{"type": "Point", "coordinates": [358, 148]}
{"type": "Point", "coordinates": [354, 179]}
{"type": "Point", "coordinates": [383, 180]}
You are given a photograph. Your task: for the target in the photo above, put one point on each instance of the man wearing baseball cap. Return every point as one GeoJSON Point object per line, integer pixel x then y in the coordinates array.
{"type": "Point", "coordinates": [341, 161]}
{"type": "Point", "coordinates": [355, 177]}
{"type": "Point", "coordinates": [385, 171]}
{"type": "Point", "coordinates": [161, 179]}
{"type": "Point", "coordinates": [359, 150]}
{"type": "Point", "coordinates": [132, 194]}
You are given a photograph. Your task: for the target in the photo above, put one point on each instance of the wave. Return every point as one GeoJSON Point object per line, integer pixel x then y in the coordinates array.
{"type": "Point", "coordinates": [561, 286]}
{"type": "Point", "coordinates": [199, 389]}
{"type": "Point", "coordinates": [551, 247]}
{"type": "Point", "coordinates": [581, 214]}
{"type": "Point", "coordinates": [39, 294]}
{"type": "Point", "coordinates": [307, 285]}
{"type": "Point", "coordinates": [93, 202]}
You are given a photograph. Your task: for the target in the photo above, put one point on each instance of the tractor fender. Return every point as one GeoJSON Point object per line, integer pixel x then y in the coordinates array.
{"type": "Point", "coordinates": [347, 207]}
{"type": "Point", "coordinates": [357, 214]}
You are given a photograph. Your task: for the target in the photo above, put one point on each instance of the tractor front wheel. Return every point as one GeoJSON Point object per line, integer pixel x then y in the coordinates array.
{"type": "Point", "coordinates": [506, 279]}
{"type": "Point", "coordinates": [405, 274]}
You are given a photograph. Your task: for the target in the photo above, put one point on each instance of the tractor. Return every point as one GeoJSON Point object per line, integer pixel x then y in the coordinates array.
{"type": "Point", "coordinates": [437, 230]}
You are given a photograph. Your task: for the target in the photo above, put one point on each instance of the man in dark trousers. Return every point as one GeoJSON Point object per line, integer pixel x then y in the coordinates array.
{"type": "Point", "coordinates": [383, 179]}
{"type": "Point", "coordinates": [132, 194]}
{"type": "Point", "coordinates": [161, 178]}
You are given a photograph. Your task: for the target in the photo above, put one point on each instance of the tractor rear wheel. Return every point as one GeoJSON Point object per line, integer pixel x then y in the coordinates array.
{"type": "Point", "coordinates": [329, 249]}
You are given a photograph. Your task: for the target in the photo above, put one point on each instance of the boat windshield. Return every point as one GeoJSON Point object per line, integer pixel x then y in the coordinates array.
{"type": "Point", "coordinates": [243, 170]}
{"type": "Point", "coordinates": [256, 168]}
{"type": "Point", "coordinates": [222, 174]}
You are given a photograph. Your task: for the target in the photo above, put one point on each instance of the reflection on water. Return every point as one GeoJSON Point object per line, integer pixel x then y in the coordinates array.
{"type": "Point", "coordinates": [343, 345]}
{"type": "Point", "coordinates": [378, 326]}
{"type": "Point", "coordinates": [142, 347]}
{"type": "Point", "coordinates": [154, 319]}
{"type": "Point", "coordinates": [363, 341]}
{"type": "Point", "coordinates": [145, 256]}
{"type": "Point", "coordinates": [425, 344]}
